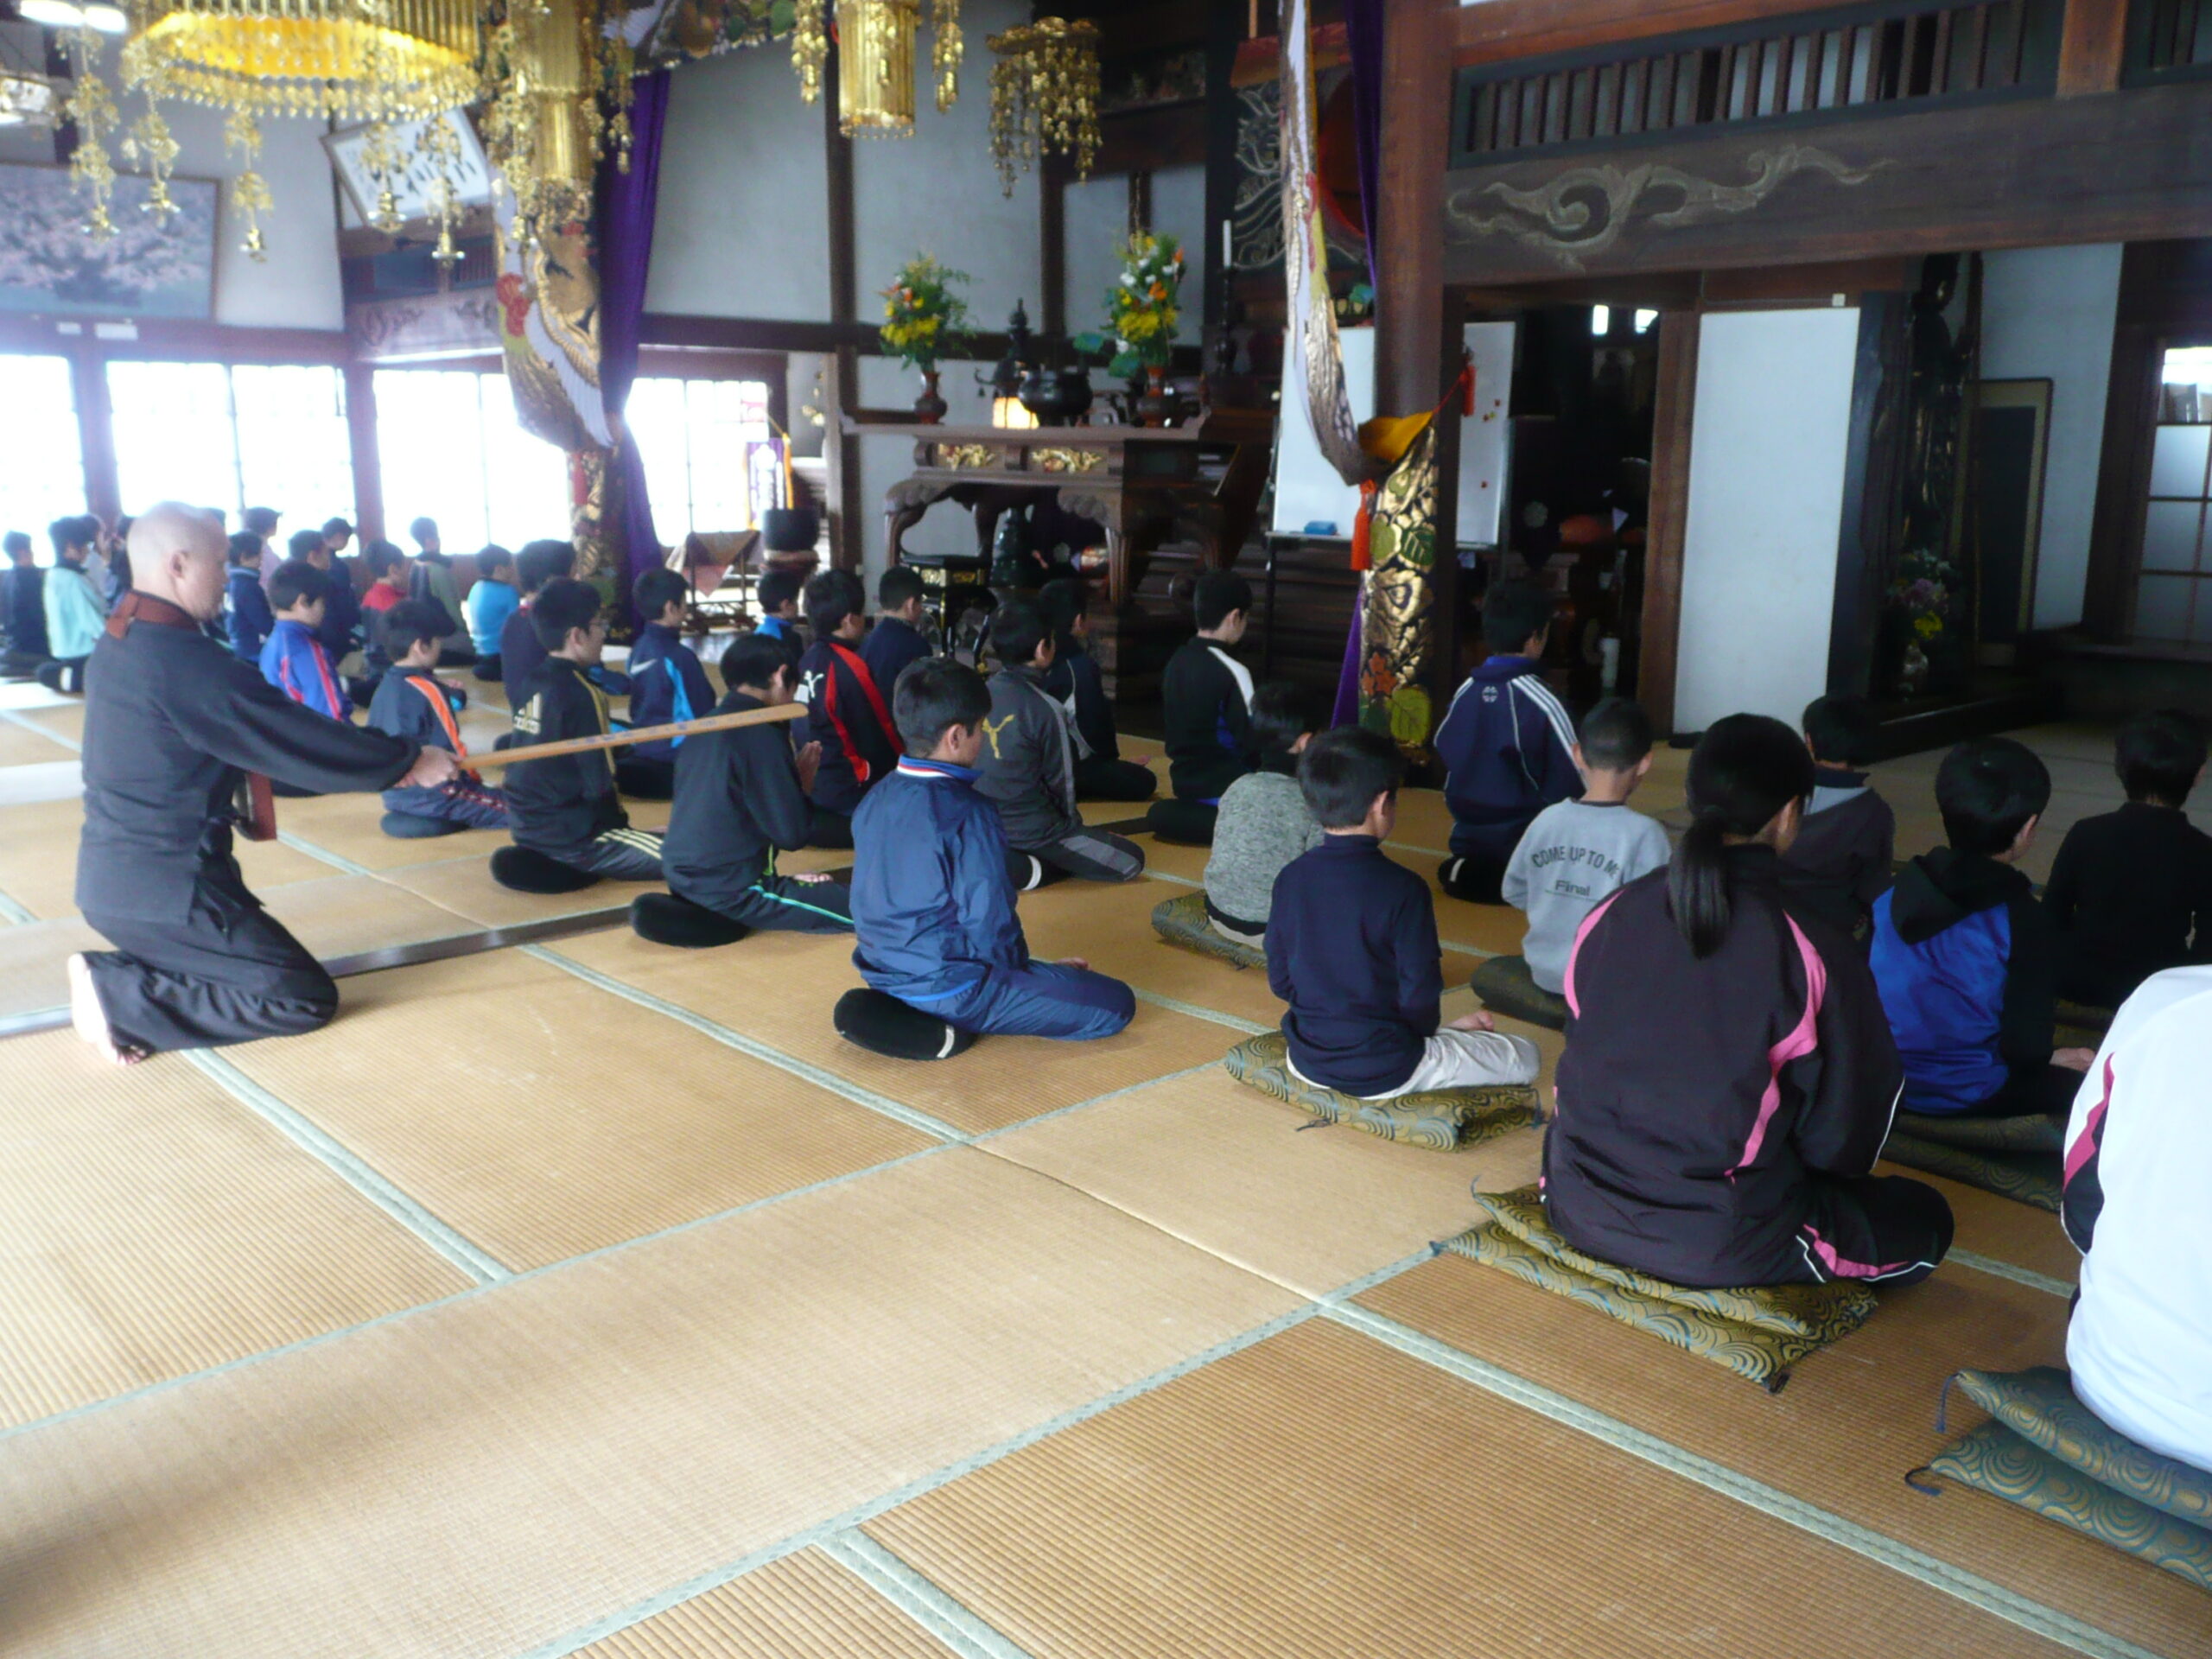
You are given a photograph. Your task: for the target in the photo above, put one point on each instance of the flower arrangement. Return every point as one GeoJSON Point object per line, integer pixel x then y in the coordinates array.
{"type": "Point", "coordinates": [1923, 589]}
{"type": "Point", "coordinates": [1141, 307]}
{"type": "Point", "coordinates": [923, 318]}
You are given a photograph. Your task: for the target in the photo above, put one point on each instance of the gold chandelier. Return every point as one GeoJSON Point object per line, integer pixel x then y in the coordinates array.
{"type": "Point", "coordinates": [374, 60]}
{"type": "Point", "coordinates": [876, 80]}
{"type": "Point", "coordinates": [557, 100]}
{"type": "Point", "coordinates": [1045, 95]}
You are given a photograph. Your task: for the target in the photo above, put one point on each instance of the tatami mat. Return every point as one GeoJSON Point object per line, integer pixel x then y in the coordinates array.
{"type": "Point", "coordinates": [21, 747]}
{"type": "Point", "coordinates": [347, 826]}
{"type": "Point", "coordinates": [804, 1606]}
{"type": "Point", "coordinates": [2019, 1235]}
{"type": "Point", "coordinates": [38, 858]}
{"type": "Point", "coordinates": [1853, 1419]}
{"type": "Point", "coordinates": [1321, 1494]}
{"type": "Point", "coordinates": [511, 1469]}
{"type": "Point", "coordinates": [465, 886]}
{"type": "Point", "coordinates": [780, 989]}
{"type": "Point", "coordinates": [65, 720]}
{"type": "Point", "coordinates": [154, 1227]}
{"type": "Point", "coordinates": [541, 1117]}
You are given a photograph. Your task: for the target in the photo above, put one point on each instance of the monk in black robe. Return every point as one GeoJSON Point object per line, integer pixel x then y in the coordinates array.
{"type": "Point", "coordinates": [173, 723]}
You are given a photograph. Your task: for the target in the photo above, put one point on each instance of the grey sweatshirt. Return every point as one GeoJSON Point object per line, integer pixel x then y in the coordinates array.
{"type": "Point", "coordinates": [1570, 860]}
{"type": "Point", "coordinates": [1264, 824]}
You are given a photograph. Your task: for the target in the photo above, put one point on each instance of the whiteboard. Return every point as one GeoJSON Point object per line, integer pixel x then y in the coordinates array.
{"type": "Point", "coordinates": [1307, 490]}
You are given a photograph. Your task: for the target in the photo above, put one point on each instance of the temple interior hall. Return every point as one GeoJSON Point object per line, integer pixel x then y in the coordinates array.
{"type": "Point", "coordinates": [477, 1182]}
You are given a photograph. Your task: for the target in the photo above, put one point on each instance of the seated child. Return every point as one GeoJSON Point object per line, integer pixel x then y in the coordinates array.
{"type": "Point", "coordinates": [2139, 1163]}
{"type": "Point", "coordinates": [896, 638]}
{"type": "Point", "coordinates": [2131, 891]}
{"type": "Point", "coordinates": [293, 658]}
{"type": "Point", "coordinates": [431, 579]}
{"type": "Point", "coordinates": [412, 702]}
{"type": "Point", "coordinates": [1264, 822]}
{"type": "Point", "coordinates": [245, 601]}
{"type": "Point", "coordinates": [339, 630]}
{"type": "Point", "coordinates": [667, 683]}
{"type": "Point", "coordinates": [1100, 775]}
{"type": "Point", "coordinates": [1840, 862]}
{"type": "Point", "coordinates": [777, 595]}
{"type": "Point", "coordinates": [387, 567]}
{"type": "Point", "coordinates": [1206, 713]}
{"type": "Point", "coordinates": [22, 607]}
{"type": "Point", "coordinates": [538, 563]}
{"type": "Point", "coordinates": [1506, 744]}
{"type": "Point", "coordinates": [740, 796]}
{"type": "Point", "coordinates": [932, 900]}
{"type": "Point", "coordinates": [1028, 759]}
{"type": "Point", "coordinates": [1576, 854]}
{"type": "Point", "coordinates": [1688, 1143]}
{"type": "Point", "coordinates": [847, 712]}
{"type": "Point", "coordinates": [567, 808]}
{"type": "Point", "coordinates": [75, 615]}
{"type": "Point", "coordinates": [489, 604]}
{"type": "Point", "coordinates": [1351, 946]}
{"type": "Point", "coordinates": [1965, 956]}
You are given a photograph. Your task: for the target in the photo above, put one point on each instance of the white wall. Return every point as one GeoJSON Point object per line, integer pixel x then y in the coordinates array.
{"type": "Point", "coordinates": [1767, 446]}
{"type": "Point", "coordinates": [888, 383]}
{"type": "Point", "coordinates": [1097, 220]}
{"type": "Point", "coordinates": [2048, 313]}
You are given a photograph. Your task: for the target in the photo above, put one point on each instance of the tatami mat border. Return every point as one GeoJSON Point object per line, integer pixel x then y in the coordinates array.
{"type": "Point", "coordinates": [921, 1599]}
{"type": "Point", "coordinates": [2018, 1275]}
{"type": "Point", "coordinates": [1446, 944]}
{"type": "Point", "coordinates": [1969, 1587]}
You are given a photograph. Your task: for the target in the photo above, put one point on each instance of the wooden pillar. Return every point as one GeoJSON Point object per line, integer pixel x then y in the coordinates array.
{"type": "Point", "coordinates": [841, 377]}
{"type": "Point", "coordinates": [1224, 31]}
{"type": "Point", "coordinates": [2092, 46]}
{"type": "Point", "coordinates": [1409, 356]}
{"type": "Point", "coordinates": [368, 460]}
{"type": "Point", "coordinates": [1668, 519]}
{"type": "Point", "coordinates": [1053, 250]}
{"type": "Point", "coordinates": [96, 429]}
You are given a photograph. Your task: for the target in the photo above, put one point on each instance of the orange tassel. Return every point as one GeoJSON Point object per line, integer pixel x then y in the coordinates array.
{"type": "Point", "coordinates": [1467, 391]}
{"type": "Point", "coordinates": [1361, 558]}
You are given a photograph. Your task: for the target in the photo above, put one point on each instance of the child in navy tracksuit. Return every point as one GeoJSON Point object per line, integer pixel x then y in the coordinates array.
{"type": "Point", "coordinates": [1351, 946]}
{"type": "Point", "coordinates": [667, 683]}
{"type": "Point", "coordinates": [1100, 775]}
{"type": "Point", "coordinates": [1967, 960]}
{"type": "Point", "coordinates": [293, 658]}
{"type": "Point", "coordinates": [250, 619]}
{"type": "Point", "coordinates": [412, 702]}
{"type": "Point", "coordinates": [847, 712]}
{"type": "Point", "coordinates": [1729, 1077]}
{"type": "Point", "coordinates": [1506, 744]}
{"type": "Point", "coordinates": [897, 638]}
{"type": "Point", "coordinates": [776, 593]}
{"type": "Point", "coordinates": [933, 902]}
{"type": "Point", "coordinates": [1840, 862]}
{"type": "Point", "coordinates": [1205, 712]}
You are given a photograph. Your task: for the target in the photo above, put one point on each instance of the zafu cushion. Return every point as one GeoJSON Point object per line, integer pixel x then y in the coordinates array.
{"type": "Point", "coordinates": [1757, 1331]}
{"type": "Point", "coordinates": [1441, 1120]}
{"type": "Point", "coordinates": [1028, 872]}
{"type": "Point", "coordinates": [1506, 986]}
{"type": "Point", "coordinates": [883, 1025]}
{"type": "Point", "coordinates": [2043, 1450]}
{"type": "Point", "coordinates": [413, 826]}
{"type": "Point", "coordinates": [1183, 920]}
{"type": "Point", "coordinates": [521, 870]}
{"type": "Point", "coordinates": [664, 918]}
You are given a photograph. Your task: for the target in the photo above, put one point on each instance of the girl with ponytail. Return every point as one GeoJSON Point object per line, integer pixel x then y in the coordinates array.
{"type": "Point", "coordinates": [1729, 1075]}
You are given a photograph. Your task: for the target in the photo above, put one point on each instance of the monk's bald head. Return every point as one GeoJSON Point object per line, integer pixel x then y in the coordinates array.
{"type": "Point", "coordinates": [178, 553]}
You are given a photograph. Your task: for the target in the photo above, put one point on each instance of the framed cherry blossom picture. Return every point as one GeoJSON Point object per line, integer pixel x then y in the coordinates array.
{"type": "Point", "coordinates": [148, 268]}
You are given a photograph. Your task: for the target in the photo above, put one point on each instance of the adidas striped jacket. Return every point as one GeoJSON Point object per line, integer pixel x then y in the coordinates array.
{"type": "Point", "coordinates": [1508, 747]}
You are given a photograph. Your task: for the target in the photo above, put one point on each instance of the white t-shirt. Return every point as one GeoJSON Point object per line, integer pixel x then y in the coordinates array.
{"type": "Point", "coordinates": [2141, 1343]}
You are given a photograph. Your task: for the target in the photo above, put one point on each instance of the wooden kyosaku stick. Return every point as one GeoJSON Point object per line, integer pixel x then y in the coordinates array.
{"type": "Point", "coordinates": [491, 758]}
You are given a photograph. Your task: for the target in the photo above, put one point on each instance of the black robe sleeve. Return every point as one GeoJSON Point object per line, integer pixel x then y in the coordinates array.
{"type": "Point", "coordinates": [242, 721]}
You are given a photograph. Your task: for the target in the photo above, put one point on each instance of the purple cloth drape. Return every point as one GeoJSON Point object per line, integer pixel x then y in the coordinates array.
{"type": "Point", "coordinates": [1346, 712]}
{"type": "Point", "coordinates": [1364, 34]}
{"type": "Point", "coordinates": [627, 202]}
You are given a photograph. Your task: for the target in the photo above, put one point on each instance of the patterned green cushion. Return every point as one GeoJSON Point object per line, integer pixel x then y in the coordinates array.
{"type": "Point", "coordinates": [2033, 1134]}
{"type": "Point", "coordinates": [2083, 1016]}
{"type": "Point", "coordinates": [1443, 1121]}
{"type": "Point", "coordinates": [1757, 1331]}
{"type": "Point", "coordinates": [2046, 1451]}
{"type": "Point", "coordinates": [1183, 921]}
{"type": "Point", "coordinates": [2026, 1177]}
{"type": "Point", "coordinates": [1505, 987]}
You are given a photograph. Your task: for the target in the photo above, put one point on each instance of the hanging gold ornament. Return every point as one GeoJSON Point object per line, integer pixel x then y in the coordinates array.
{"type": "Point", "coordinates": [947, 48]}
{"type": "Point", "coordinates": [249, 196]}
{"type": "Point", "coordinates": [1045, 96]}
{"type": "Point", "coordinates": [875, 69]}
{"type": "Point", "coordinates": [558, 100]}
{"type": "Point", "coordinates": [380, 161]}
{"type": "Point", "coordinates": [92, 109]}
{"type": "Point", "coordinates": [810, 48]}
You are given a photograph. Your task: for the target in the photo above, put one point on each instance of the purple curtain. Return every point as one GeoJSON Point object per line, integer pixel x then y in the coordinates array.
{"type": "Point", "coordinates": [1364, 34]}
{"type": "Point", "coordinates": [627, 204]}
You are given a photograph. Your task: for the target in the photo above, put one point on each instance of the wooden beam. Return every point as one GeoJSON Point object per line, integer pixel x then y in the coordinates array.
{"type": "Point", "coordinates": [2130, 167]}
{"type": "Point", "coordinates": [1052, 252]}
{"type": "Point", "coordinates": [2092, 46]}
{"type": "Point", "coordinates": [157, 340]}
{"type": "Point", "coordinates": [96, 432]}
{"type": "Point", "coordinates": [1500, 30]}
{"type": "Point", "coordinates": [1416, 132]}
{"type": "Point", "coordinates": [368, 458]}
{"type": "Point", "coordinates": [840, 371]}
{"type": "Point", "coordinates": [776, 334]}
{"type": "Point", "coordinates": [1667, 520]}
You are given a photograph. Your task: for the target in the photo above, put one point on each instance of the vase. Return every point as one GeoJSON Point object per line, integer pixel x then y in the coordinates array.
{"type": "Point", "coordinates": [930, 408]}
{"type": "Point", "coordinates": [1156, 406]}
{"type": "Point", "coordinates": [1912, 673]}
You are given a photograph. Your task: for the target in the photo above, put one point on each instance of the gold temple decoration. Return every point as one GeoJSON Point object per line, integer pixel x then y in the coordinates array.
{"type": "Point", "coordinates": [1045, 96]}
{"type": "Point", "coordinates": [92, 109]}
{"type": "Point", "coordinates": [876, 41]}
{"type": "Point", "coordinates": [557, 99]}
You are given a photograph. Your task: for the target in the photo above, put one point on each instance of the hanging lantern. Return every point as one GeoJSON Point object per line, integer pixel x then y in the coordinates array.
{"type": "Point", "coordinates": [875, 81]}
{"type": "Point", "coordinates": [1045, 96]}
{"type": "Point", "coordinates": [557, 89]}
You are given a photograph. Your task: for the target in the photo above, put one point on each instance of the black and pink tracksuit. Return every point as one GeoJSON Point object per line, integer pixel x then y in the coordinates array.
{"type": "Point", "coordinates": [1717, 1117]}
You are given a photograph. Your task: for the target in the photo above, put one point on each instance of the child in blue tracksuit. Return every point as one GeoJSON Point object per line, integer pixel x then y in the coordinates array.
{"type": "Point", "coordinates": [1508, 745]}
{"type": "Point", "coordinates": [293, 658]}
{"type": "Point", "coordinates": [1965, 960]}
{"type": "Point", "coordinates": [932, 900]}
{"type": "Point", "coordinates": [250, 619]}
{"type": "Point", "coordinates": [412, 702]}
{"type": "Point", "coordinates": [667, 683]}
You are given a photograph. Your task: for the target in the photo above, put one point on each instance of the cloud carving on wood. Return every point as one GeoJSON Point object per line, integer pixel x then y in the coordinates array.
{"type": "Point", "coordinates": [1585, 210]}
